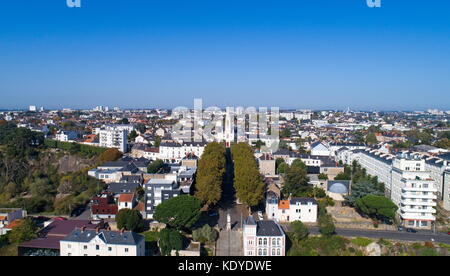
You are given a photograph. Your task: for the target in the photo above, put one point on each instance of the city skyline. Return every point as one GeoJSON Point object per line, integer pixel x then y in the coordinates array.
{"type": "Point", "coordinates": [297, 54]}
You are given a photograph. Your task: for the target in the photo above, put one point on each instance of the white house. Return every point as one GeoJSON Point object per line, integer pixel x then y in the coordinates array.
{"type": "Point", "coordinates": [83, 242]}
{"type": "Point", "coordinates": [126, 201]}
{"type": "Point", "coordinates": [302, 209]}
{"type": "Point", "coordinates": [66, 136]}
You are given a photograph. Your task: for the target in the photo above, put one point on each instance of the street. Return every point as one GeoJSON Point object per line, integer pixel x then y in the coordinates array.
{"type": "Point", "coordinates": [421, 235]}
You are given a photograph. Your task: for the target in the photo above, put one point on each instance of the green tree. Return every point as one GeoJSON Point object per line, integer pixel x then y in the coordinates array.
{"type": "Point", "coordinates": [180, 212]}
{"type": "Point", "coordinates": [323, 176]}
{"type": "Point", "coordinates": [247, 180]}
{"type": "Point", "coordinates": [210, 171]}
{"type": "Point", "coordinates": [343, 176]}
{"type": "Point", "coordinates": [300, 230]}
{"type": "Point", "coordinates": [205, 234]}
{"type": "Point", "coordinates": [379, 207]}
{"type": "Point", "coordinates": [169, 240]}
{"type": "Point", "coordinates": [130, 220]}
{"type": "Point", "coordinates": [296, 180]}
{"type": "Point", "coordinates": [110, 155]}
{"type": "Point", "coordinates": [155, 166]}
{"type": "Point", "coordinates": [371, 139]}
{"type": "Point", "coordinates": [25, 231]}
{"type": "Point", "coordinates": [326, 225]}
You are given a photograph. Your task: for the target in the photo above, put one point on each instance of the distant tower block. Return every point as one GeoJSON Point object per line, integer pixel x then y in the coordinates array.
{"type": "Point", "coordinates": [229, 127]}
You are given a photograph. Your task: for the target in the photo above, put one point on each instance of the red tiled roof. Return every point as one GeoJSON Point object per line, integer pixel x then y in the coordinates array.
{"type": "Point", "coordinates": [283, 204]}
{"type": "Point", "coordinates": [126, 197]}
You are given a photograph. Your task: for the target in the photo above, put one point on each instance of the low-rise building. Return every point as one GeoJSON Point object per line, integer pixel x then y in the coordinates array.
{"type": "Point", "coordinates": [85, 242]}
{"type": "Point", "coordinates": [263, 238]}
{"type": "Point", "coordinates": [294, 209]}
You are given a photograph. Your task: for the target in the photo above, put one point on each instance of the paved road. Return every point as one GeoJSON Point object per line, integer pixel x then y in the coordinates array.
{"type": "Point", "coordinates": [229, 243]}
{"type": "Point", "coordinates": [421, 235]}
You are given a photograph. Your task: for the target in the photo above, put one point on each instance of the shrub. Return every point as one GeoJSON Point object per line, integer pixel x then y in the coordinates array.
{"type": "Point", "coordinates": [205, 234]}
{"type": "Point", "coordinates": [360, 241]}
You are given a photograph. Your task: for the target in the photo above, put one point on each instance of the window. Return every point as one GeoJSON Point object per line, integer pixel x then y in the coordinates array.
{"type": "Point", "coordinates": [273, 251]}
{"type": "Point", "coordinates": [260, 252]}
{"type": "Point", "coordinates": [259, 241]}
{"type": "Point", "coordinates": [97, 247]}
{"type": "Point", "coordinates": [424, 223]}
{"type": "Point", "coordinates": [109, 248]}
{"type": "Point", "coordinates": [274, 242]}
{"type": "Point", "coordinates": [265, 241]}
{"type": "Point", "coordinates": [69, 245]}
{"type": "Point", "coordinates": [265, 252]}
{"type": "Point", "coordinates": [278, 252]}
{"type": "Point", "coordinates": [126, 249]}
{"type": "Point", "coordinates": [85, 247]}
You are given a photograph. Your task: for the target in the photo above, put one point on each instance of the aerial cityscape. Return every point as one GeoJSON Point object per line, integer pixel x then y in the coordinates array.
{"type": "Point", "coordinates": [245, 128]}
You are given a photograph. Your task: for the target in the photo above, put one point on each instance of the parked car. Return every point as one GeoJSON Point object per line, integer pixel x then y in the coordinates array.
{"type": "Point", "coordinates": [60, 218]}
{"type": "Point", "coordinates": [399, 228]}
{"type": "Point", "coordinates": [411, 230]}
{"type": "Point", "coordinates": [260, 215]}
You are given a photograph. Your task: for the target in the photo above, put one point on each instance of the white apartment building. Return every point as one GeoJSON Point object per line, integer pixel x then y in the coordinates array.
{"type": "Point", "coordinates": [377, 164]}
{"type": "Point", "coordinates": [302, 209]}
{"type": "Point", "coordinates": [413, 190]}
{"type": "Point", "coordinates": [175, 152]}
{"type": "Point", "coordinates": [446, 191]}
{"type": "Point", "coordinates": [112, 137]}
{"type": "Point", "coordinates": [83, 242]}
{"type": "Point", "coordinates": [263, 238]}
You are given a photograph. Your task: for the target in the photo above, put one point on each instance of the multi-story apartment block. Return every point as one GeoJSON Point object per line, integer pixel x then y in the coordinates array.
{"type": "Point", "coordinates": [446, 192]}
{"type": "Point", "coordinates": [263, 238]}
{"type": "Point", "coordinates": [159, 190]}
{"type": "Point", "coordinates": [111, 137]}
{"type": "Point", "coordinates": [302, 209]}
{"type": "Point", "coordinates": [84, 242]}
{"type": "Point", "coordinates": [414, 191]}
{"type": "Point", "coordinates": [377, 164]}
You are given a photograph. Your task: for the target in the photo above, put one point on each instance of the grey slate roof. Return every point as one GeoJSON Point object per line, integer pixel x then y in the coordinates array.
{"type": "Point", "coordinates": [267, 228]}
{"type": "Point", "coordinates": [109, 237]}
{"type": "Point", "coordinates": [302, 200]}
{"type": "Point", "coordinates": [122, 188]}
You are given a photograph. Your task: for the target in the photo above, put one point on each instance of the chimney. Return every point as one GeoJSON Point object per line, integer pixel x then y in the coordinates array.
{"type": "Point", "coordinates": [122, 230]}
{"type": "Point", "coordinates": [83, 228]}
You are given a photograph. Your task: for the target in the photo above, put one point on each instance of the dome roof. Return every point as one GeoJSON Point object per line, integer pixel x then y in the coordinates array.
{"type": "Point", "coordinates": [338, 188]}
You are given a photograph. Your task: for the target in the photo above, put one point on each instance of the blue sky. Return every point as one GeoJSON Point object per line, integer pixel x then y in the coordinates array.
{"type": "Point", "coordinates": [321, 54]}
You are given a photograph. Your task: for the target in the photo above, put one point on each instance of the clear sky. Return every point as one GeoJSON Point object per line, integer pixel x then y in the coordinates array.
{"type": "Point", "coordinates": [319, 54]}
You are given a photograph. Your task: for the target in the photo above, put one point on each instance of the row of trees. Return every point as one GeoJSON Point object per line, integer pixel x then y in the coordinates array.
{"type": "Point", "coordinates": [210, 171]}
{"type": "Point", "coordinates": [247, 180]}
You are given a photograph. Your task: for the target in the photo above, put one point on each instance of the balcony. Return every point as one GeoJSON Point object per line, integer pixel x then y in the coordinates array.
{"type": "Point", "coordinates": [409, 195]}
{"type": "Point", "coordinates": [416, 210]}
{"type": "Point", "coordinates": [411, 216]}
{"type": "Point", "coordinates": [414, 189]}
{"type": "Point", "coordinates": [418, 202]}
